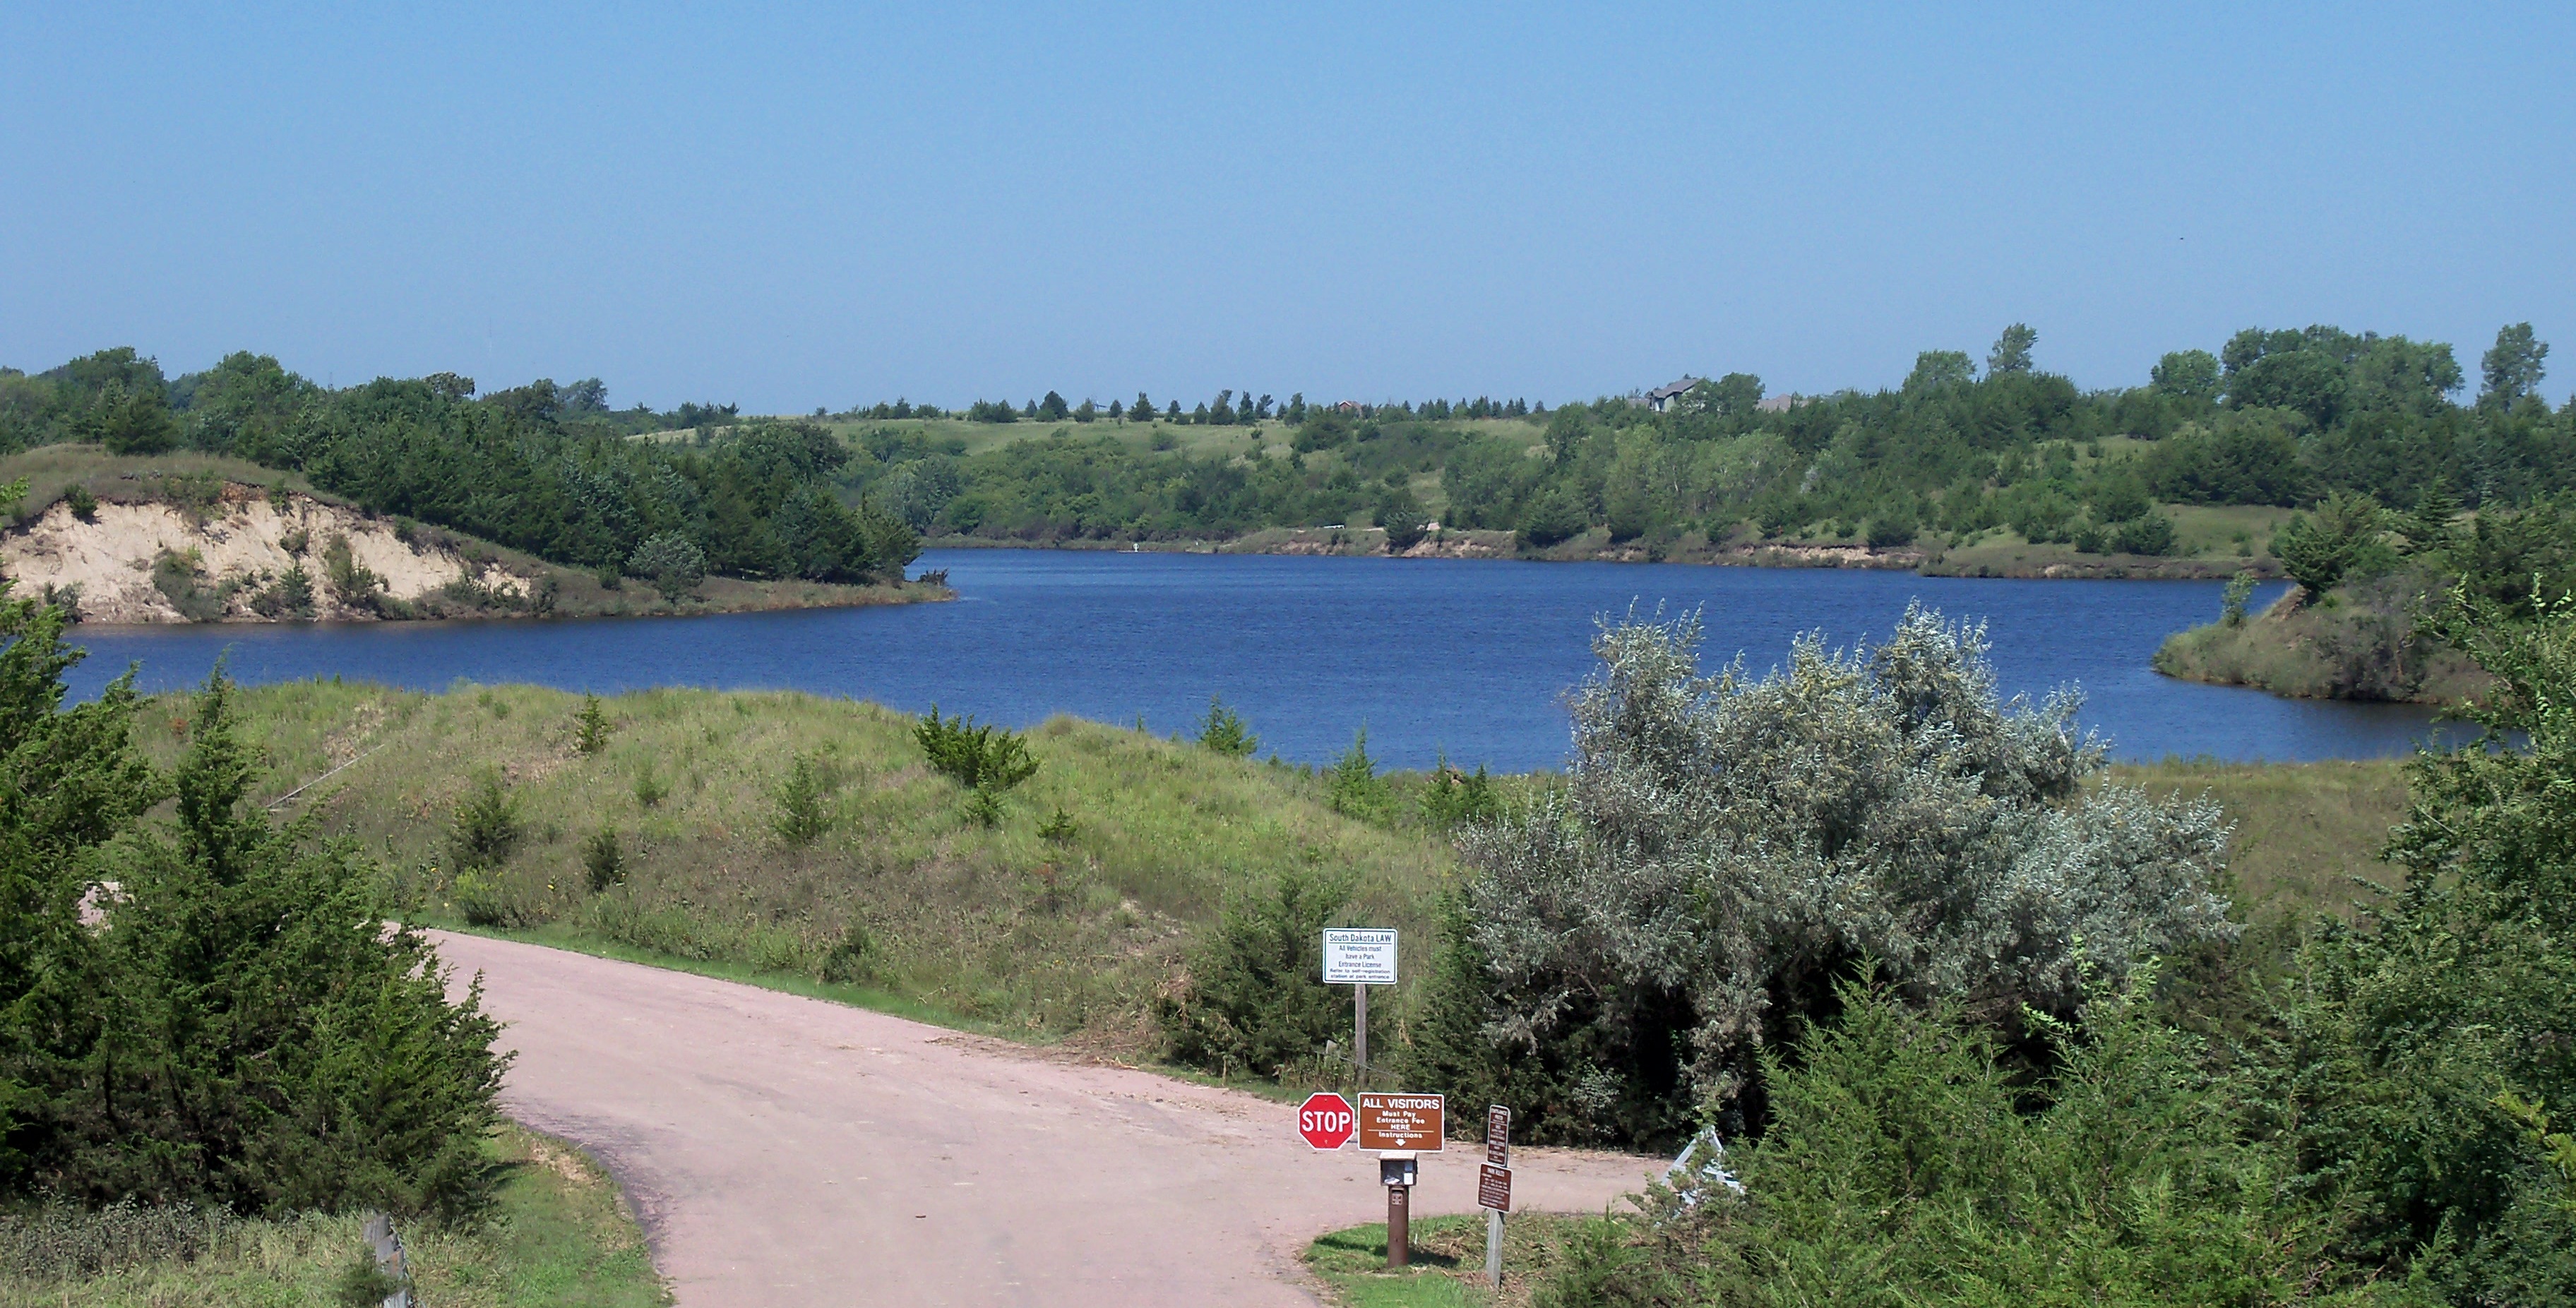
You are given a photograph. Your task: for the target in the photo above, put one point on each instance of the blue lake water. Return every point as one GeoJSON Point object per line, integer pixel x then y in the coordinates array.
{"type": "Point", "coordinates": [1468, 657]}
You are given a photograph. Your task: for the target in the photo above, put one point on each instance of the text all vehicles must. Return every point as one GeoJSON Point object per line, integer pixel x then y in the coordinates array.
{"type": "Point", "coordinates": [1391, 1121]}
{"type": "Point", "coordinates": [1359, 956]}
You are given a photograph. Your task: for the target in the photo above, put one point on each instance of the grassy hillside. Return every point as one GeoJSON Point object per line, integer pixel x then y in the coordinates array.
{"type": "Point", "coordinates": [2303, 830]}
{"type": "Point", "coordinates": [903, 898]}
{"type": "Point", "coordinates": [906, 902]}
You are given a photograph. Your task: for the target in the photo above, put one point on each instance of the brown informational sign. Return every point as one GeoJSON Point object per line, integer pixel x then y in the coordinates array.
{"type": "Point", "coordinates": [1494, 1188]}
{"type": "Point", "coordinates": [1413, 1122]}
{"type": "Point", "coordinates": [1498, 1136]}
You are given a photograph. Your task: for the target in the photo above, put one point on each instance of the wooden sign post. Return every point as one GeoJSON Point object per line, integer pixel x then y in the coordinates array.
{"type": "Point", "coordinates": [1359, 957]}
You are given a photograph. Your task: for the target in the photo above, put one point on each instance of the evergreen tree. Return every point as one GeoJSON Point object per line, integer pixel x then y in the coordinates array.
{"type": "Point", "coordinates": [1223, 731]}
{"type": "Point", "coordinates": [2011, 355]}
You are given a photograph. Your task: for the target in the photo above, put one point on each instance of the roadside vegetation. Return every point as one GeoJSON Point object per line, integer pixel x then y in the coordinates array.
{"type": "Point", "coordinates": [1957, 995]}
{"type": "Point", "coordinates": [2312, 1108]}
{"type": "Point", "coordinates": [555, 1233]}
{"type": "Point", "coordinates": [1046, 884]}
{"type": "Point", "coordinates": [202, 1010]}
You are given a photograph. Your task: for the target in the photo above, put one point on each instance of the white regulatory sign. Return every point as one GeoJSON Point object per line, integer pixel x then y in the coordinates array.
{"type": "Point", "coordinates": [1362, 956]}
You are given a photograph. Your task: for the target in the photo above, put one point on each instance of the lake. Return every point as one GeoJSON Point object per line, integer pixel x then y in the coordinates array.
{"type": "Point", "coordinates": [1470, 658]}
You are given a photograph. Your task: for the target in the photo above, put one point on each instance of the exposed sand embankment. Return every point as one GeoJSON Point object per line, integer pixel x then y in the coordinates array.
{"type": "Point", "coordinates": [138, 562]}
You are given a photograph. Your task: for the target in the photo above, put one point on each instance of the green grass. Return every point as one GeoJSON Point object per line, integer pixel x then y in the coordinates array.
{"type": "Point", "coordinates": [1448, 1264]}
{"type": "Point", "coordinates": [2211, 531]}
{"type": "Point", "coordinates": [2303, 830]}
{"type": "Point", "coordinates": [52, 470]}
{"type": "Point", "coordinates": [1353, 1264]}
{"type": "Point", "coordinates": [998, 928]}
{"type": "Point", "coordinates": [557, 1234]}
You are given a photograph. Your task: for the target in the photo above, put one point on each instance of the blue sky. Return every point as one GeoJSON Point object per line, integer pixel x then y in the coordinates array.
{"type": "Point", "coordinates": [788, 206]}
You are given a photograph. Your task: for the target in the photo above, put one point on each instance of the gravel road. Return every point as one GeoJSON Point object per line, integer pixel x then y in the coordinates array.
{"type": "Point", "coordinates": [787, 1151]}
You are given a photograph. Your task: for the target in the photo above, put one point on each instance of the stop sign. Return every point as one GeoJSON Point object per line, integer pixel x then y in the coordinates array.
{"type": "Point", "coordinates": [1325, 1120]}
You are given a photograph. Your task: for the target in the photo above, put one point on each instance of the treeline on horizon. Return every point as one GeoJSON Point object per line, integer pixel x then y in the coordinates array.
{"type": "Point", "coordinates": [544, 468]}
{"type": "Point", "coordinates": [1955, 452]}
{"type": "Point", "coordinates": [2276, 418]}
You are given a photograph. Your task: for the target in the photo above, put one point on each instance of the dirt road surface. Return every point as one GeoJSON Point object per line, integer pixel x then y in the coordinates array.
{"type": "Point", "coordinates": [787, 1151]}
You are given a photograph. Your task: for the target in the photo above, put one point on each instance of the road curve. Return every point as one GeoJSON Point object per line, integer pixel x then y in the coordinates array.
{"type": "Point", "coordinates": [787, 1151]}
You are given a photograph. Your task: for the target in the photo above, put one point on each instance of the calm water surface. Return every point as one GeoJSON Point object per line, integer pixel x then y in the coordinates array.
{"type": "Point", "coordinates": [1468, 657]}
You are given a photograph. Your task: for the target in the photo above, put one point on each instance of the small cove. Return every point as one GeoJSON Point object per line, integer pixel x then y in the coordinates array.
{"type": "Point", "coordinates": [1466, 658]}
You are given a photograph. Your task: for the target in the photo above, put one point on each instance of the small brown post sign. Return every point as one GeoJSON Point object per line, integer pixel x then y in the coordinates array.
{"type": "Point", "coordinates": [1498, 1136]}
{"type": "Point", "coordinates": [1414, 1122]}
{"type": "Point", "coordinates": [1494, 1188]}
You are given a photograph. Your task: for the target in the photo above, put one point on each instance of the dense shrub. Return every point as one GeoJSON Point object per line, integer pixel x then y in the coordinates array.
{"type": "Point", "coordinates": [1723, 848]}
{"type": "Point", "coordinates": [672, 562]}
{"type": "Point", "coordinates": [1905, 1164]}
{"type": "Point", "coordinates": [2342, 538]}
{"type": "Point", "coordinates": [1253, 998]}
{"type": "Point", "coordinates": [486, 829]}
{"type": "Point", "coordinates": [1353, 786]}
{"type": "Point", "coordinates": [244, 1028]}
{"type": "Point", "coordinates": [986, 758]}
{"type": "Point", "coordinates": [2399, 1039]}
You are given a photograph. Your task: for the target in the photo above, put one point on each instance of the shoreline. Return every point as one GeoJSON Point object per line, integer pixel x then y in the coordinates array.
{"type": "Point", "coordinates": [867, 597]}
{"type": "Point", "coordinates": [2013, 560]}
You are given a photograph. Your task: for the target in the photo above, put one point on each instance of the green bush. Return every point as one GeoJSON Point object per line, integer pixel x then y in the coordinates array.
{"type": "Point", "coordinates": [672, 562]}
{"type": "Point", "coordinates": [2399, 1040]}
{"type": "Point", "coordinates": [1453, 799]}
{"type": "Point", "coordinates": [2150, 534]}
{"type": "Point", "coordinates": [1353, 785]}
{"type": "Point", "coordinates": [804, 801]}
{"type": "Point", "coordinates": [251, 1032]}
{"type": "Point", "coordinates": [590, 730]}
{"type": "Point", "coordinates": [2340, 539]}
{"type": "Point", "coordinates": [2231, 605]}
{"type": "Point", "coordinates": [604, 859]}
{"type": "Point", "coordinates": [1556, 516]}
{"type": "Point", "coordinates": [486, 829]}
{"type": "Point", "coordinates": [1632, 942]}
{"type": "Point", "coordinates": [1253, 998]}
{"type": "Point", "coordinates": [1223, 730]}
{"type": "Point", "coordinates": [979, 758]}
{"type": "Point", "coordinates": [1893, 526]}
{"type": "Point", "coordinates": [1905, 1163]}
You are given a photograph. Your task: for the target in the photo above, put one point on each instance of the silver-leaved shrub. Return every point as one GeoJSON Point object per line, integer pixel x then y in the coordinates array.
{"type": "Point", "coordinates": [1725, 849]}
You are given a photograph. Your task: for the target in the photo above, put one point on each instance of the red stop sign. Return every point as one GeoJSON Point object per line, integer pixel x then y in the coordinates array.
{"type": "Point", "coordinates": [1325, 1120]}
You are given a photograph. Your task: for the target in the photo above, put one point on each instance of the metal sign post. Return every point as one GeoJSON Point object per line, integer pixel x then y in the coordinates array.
{"type": "Point", "coordinates": [1494, 1187]}
{"type": "Point", "coordinates": [1359, 957]}
{"type": "Point", "coordinates": [1400, 1127]}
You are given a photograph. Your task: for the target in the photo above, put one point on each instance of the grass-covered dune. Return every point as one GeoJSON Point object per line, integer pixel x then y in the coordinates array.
{"type": "Point", "coordinates": [906, 900]}
{"type": "Point", "coordinates": [902, 892]}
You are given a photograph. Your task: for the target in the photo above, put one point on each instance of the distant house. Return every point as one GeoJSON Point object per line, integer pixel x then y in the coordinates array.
{"type": "Point", "coordinates": [1777, 403]}
{"type": "Point", "coordinates": [1662, 397]}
